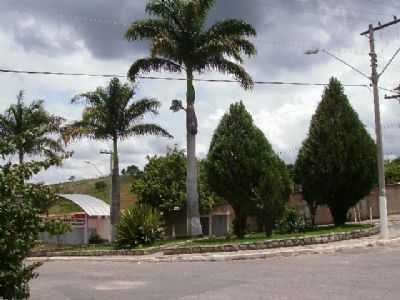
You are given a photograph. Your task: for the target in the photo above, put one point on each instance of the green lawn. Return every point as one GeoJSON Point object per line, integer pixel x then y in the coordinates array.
{"type": "Point", "coordinates": [259, 237]}
{"type": "Point", "coordinates": [212, 241]}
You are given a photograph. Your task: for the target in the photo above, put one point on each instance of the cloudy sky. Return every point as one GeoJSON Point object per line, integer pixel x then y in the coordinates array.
{"type": "Point", "coordinates": [87, 37]}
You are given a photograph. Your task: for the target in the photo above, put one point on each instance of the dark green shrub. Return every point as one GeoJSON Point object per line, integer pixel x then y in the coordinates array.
{"type": "Point", "coordinates": [100, 185]}
{"type": "Point", "coordinates": [95, 239]}
{"type": "Point", "coordinates": [291, 222]}
{"type": "Point", "coordinates": [139, 225]}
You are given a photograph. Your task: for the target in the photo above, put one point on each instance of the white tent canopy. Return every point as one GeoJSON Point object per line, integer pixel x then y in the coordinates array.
{"type": "Point", "coordinates": [91, 205]}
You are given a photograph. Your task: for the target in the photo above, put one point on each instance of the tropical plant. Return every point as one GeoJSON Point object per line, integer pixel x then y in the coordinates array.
{"type": "Point", "coordinates": [34, 131]}
{"type": "Point", "coordinates": [110, 115]}
{"type": "Point", "coordinates": [162, 183]}
{"type": "Point", "coordinates": [337, 162]}
{"type": "Point", "coordinates": [291, 221]}
{"type": "Point", "coordinates": [180, 41]}
{"type": "Point", "coordinates": [140, 225]}
{"type": "Point", "coordinates": [20, 223]}
{"type": "Point", "coordinates": [236, 162]}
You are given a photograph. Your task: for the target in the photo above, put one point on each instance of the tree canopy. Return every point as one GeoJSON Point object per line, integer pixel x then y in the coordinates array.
{"type": "Point", "coordinates": [20, 224]}
{"type": "Point", "coordinates": [337, 162]}
{"type": "Point", "coordinates": [239, 161]}
{"type": "Point", "coordinates": [32, 130]}
{"type": "Point", "coordinates": [392, 171]}
{"type": "Point", "coordinates": [162, 183]}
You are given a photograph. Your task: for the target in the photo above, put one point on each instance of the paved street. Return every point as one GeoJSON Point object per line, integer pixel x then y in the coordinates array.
{"type": "Point", "coordinates": [357, 274]}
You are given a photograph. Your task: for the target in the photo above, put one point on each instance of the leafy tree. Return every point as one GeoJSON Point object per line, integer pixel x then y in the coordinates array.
{"type": "Point", "coordinates": [162, 183]}
{"type": "Point", "coordinates": [131, 170]}
{"type": "Point", "coordinates": [19, 223]}
{"type": "Point", "coordinates": [337, 162]}
{"type": "Point", "coordinates": [19, 119]}
{"type": "Point", "coordinates": [181, 41]}
{"type": "Point", "coordinates": [236, 162]}
{"type": "Point", "coordinates": [110, 115]}
{"type": "Point", "coordinates": [273, 191]}
{"type": "Point", "coordinates": [392, 171]}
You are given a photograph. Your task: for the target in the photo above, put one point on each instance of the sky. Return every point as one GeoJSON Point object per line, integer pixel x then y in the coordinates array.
{"type": "Point", "coordinates": [88, 37]}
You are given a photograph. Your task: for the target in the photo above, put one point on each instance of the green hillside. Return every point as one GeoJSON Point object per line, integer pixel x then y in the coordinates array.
{"type": "Point", "coordinates": [88, 186]}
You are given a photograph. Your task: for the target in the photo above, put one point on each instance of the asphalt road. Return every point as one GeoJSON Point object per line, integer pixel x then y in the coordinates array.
{"type": "Point", "coordinates": [358, 274]}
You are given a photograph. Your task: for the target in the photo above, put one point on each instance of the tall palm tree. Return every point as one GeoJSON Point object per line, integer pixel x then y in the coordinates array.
{"type": "Point", "coordinates": [33, 130]}
{"type": "Point", "coordinates": [110, 115]}
{"type": "Point", "coordinates": [180, 41]}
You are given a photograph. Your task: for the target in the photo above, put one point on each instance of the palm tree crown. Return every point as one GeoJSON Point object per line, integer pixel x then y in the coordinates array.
{"type": "Point", "coordinates": [110, 114]}
{"type": "Point", "coordinates": [179, 39]}
{"type": "Point", "coordinates": [33, 130]}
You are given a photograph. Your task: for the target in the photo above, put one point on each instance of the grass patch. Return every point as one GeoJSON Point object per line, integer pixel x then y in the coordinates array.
{"type": "Point", "coordinates": [258, 237]}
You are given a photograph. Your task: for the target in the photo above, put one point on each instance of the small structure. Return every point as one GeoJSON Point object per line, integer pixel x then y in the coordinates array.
{"type": "Point", "coordinates": [94, 220]}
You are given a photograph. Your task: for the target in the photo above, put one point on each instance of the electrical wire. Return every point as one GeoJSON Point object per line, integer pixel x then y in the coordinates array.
{"type": "Point", "coordinates": [27, 72]}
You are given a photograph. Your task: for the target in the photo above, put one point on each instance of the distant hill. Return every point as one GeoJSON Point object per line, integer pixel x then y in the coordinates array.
{"type": "Point", "coordinates": [88, 186]}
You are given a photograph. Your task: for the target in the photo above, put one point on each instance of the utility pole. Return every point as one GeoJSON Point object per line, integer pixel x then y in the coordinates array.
{"type": "Point", "coordinates": [381, 169]}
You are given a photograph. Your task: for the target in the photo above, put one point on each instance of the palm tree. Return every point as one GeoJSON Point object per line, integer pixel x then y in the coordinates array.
{"type": "Point", "coordinates": [110, 115]}
{"type": "Point", "coordinates": [33, 130]}
{"type": "Point", "coordinates": [180, 41]}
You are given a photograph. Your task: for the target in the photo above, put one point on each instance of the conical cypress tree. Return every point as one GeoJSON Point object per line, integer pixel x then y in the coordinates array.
{"type": "Point", "coordinates": [337, 162]}
{"type": "Point", "coordinates": [242, 168]}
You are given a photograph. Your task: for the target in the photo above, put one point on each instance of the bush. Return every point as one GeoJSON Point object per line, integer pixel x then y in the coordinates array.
{"type": "Point", "coordinates": [95, 239]}
{"type": "Point", "coordinates": [57, 228]}
{"type": "Point", "coordinates": [139, 225]}
{"type": "Point", "coordinates": [19, 228]}
{"type": "Point", "coordinates": [100, 185]}
{"type": "Point", "coordinates": [291, 222]}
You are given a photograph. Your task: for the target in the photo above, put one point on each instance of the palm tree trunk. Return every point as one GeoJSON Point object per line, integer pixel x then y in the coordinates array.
{"type": "Point", "coordinates": [192, 205]}
{"type": "Point", "coordinates": [115, 192]}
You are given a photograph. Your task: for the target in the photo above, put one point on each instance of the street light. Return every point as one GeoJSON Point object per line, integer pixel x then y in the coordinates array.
{"type": "Point", "coordinates": [374, 78]}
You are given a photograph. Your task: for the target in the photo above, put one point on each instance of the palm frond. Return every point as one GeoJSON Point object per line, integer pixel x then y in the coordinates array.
{"type": "Point", "coordinates": [149, 64]}
{"type": "Point", "coordinates": [229, 28]}
{"type": "Point", "coordinates": [138, 109]}
{"type": "Point", "coordinates": [239, 73]}
{"type": "Point", "coordinates": [147, 29]}
{"type": "Point", "coordinates": [147, 129]}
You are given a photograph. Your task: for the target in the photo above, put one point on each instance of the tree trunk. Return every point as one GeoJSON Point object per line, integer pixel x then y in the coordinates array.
{"type": "Point", "coordinates": [339, 215]}
{"type": "Point", "coordinates": [21, 157]}
{"type": "Point", "coordinates": [115, 191]}
{"type": "Point", "coordinates": [192, 205]}
{"type": "Point", "coordinates": [313, 212]}
{"type": "Point", "coordinates": [240, 222]}
{"type": "Point", "coordinates": [269, 225]}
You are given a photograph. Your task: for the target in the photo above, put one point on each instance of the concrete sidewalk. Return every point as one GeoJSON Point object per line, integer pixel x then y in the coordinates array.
{"type": "Point", "coordinates": [239, 255]}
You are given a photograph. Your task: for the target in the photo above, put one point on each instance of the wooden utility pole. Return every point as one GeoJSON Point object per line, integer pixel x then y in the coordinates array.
{"type": "Point", "coordinates": [381, 169]}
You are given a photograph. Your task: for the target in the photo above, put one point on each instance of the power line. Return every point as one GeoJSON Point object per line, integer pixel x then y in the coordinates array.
{"type": "Point", "coordinates": [26, 72]}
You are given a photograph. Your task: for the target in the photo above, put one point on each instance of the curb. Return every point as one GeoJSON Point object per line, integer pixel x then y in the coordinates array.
{"type": "Point", "coordinates": [240, 255]}
{"type": "Point", "coordinates": [278, 243]}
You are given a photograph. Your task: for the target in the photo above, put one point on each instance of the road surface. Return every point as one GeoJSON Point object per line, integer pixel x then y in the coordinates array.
{"type": "Point", "coordinates": [357, 274]}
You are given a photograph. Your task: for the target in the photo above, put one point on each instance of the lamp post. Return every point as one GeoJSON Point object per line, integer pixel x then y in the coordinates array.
{"type": "Point", "coordinates": [374, 79]}
{"type": "Point", "coordinates": [107, 152]}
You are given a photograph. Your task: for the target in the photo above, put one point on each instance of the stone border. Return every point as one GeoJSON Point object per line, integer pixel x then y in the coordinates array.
{"type": "Point", "coordinates": [272, 244]}
{"type": "Point", "coordinates": [74, 253]}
